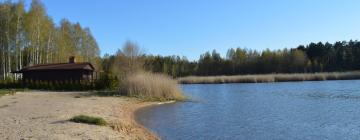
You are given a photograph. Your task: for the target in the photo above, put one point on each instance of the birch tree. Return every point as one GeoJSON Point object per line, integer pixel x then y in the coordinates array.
{"type": "Point", "coordinates": [30, 37]}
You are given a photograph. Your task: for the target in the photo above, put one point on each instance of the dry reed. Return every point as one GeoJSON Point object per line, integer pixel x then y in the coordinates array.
{"type": "Point", "coordinates": [266, 78]}
{"type": "Point", "coordinates": [151, 86]}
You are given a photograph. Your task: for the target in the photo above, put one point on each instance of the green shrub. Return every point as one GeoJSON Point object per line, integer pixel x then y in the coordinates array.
{"type": "Point", "coordinates": [105, 82]}
{"type": "Point", "coordinates": [7, 92]}
{"type": "Point", "coordinates": [10, 84]}
{"type": "Point", "coordinates": [4, 92]}
{"type": "Point", "coordinates": [88, 120]}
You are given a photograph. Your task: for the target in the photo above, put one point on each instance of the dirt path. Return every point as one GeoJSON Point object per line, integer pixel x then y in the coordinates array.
{"type": "Point", "coordinates": [45, 115]}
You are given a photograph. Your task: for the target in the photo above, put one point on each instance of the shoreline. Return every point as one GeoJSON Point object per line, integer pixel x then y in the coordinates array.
{"type": "Point", "coordinates": [144, 107]}
{"type": "Point", "coordinates": [134, 114]}
{"type": "Point", "coordinates": [50, 112]}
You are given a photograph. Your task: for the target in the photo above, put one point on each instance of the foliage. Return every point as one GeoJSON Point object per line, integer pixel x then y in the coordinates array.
{"type": "Point", "coordinates": [174, 66]}
{"type": "Point", "coordinates": [6, 92]}
{"type": "Point", "coordinates": [9, 84]}
{"type": "Point", "coordinates": [88, 120]}
{"type": "Point", "coordinates": [312, 58]}
{"type": "Point", "coordinates": [105, 83]}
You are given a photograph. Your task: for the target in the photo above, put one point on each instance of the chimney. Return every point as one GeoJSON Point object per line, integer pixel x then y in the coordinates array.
{"type": "Point", "coordinates": [72, 59]}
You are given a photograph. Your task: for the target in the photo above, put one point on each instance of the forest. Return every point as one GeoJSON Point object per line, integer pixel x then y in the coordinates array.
{"type": "Point", "coordinates": [30, 37]}
{"type": "Point", "coordinates": [311, 58]}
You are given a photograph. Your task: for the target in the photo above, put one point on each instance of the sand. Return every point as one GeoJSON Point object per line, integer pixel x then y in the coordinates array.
{"type": "Point", "coordinates": [45, 115]}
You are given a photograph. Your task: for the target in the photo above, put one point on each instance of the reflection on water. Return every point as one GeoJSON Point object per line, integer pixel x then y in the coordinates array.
{"type": "Point", "coordinates": [298, 110]}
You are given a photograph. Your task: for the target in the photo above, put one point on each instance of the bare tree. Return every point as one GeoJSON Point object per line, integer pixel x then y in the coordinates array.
{"type": "Point", "coordinates": [128, 60]}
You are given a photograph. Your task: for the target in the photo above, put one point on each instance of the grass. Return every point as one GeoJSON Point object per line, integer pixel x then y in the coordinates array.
{"type": "Point", "coordinates": [151, 87]}
{"type": "Point", "coordinates": [6, 92]}
{"type": "Point", "coordinates": [89, 120]}
{"type": "Point", "coordinates": [265, 78]}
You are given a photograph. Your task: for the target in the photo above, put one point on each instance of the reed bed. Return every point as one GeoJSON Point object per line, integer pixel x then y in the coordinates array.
{"type": "Point", "coordinates": [267, 78]}
{"type": "Point", "coordinates": [149, 86]}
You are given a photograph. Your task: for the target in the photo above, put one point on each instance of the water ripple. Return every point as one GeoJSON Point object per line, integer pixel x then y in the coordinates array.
{"type": "Point", "coordinates": [274, 111]}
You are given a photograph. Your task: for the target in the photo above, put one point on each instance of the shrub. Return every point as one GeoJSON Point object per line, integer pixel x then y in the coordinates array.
{"type": "Point", "coordinates": [151, 86]}
{"type": "Point", "coordinates": [7, 92]}
{"type": "Point", "coordinates": [4, 92]}
{"type": "Point", "coordinates": [88, 120]}
{"type": "Point", "coordinates": [106, 82]}
{"type": "Point", "coordinates": [10, 84]}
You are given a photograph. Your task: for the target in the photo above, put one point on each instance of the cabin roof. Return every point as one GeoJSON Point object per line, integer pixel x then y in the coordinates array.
{"type": "Point", "coordinates": [58, 66]}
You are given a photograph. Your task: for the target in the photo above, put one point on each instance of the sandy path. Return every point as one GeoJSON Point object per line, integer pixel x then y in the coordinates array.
{"type": "Point", "coordinates": [44, 115]}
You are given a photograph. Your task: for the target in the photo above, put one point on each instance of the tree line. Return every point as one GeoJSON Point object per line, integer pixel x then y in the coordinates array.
{"type": "Point", "coordinates": [314, 57]}
{"type": "Point", "coordinates": [30, 37]}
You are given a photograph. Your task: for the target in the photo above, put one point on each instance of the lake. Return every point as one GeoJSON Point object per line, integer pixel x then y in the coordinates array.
{"type": "Point", "coordinates": [265, 111]}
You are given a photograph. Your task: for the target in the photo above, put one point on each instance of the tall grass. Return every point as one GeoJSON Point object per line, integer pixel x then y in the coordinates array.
{"type": "Point", "coordinates": [151, 86]}
{"type": "Point", "coordinates": [265, 78]}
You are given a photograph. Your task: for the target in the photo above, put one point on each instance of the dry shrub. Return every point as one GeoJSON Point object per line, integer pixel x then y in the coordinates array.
{"type": "Point", "coordinates": [151, 86]}
{"type": "Point", "coordinates": [128, 66]}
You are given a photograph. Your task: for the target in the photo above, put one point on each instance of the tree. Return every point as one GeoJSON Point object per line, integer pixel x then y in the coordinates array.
{"type": "Point", "coordinates": [31, 37]}
{"type": "Point", "coordinates": [298, 61]}
{"type": "Point", "coordinates": [128, 60]}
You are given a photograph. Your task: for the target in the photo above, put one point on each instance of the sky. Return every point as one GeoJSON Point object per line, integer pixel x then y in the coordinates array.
{"type": "Point", "coordinates": [191, 27]}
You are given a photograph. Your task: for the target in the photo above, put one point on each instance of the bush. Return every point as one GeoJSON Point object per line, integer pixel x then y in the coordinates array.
{"type": "Point", "coordinates": [5, 92]}
{"type": "Point", "coordinates": [106, 82]}
{"type": "Point", "coordinates": [88, 120]}
{"type": "Point", "coordinates": [10, 84]}
{"type": "Point", "coordinates": [150, 86]}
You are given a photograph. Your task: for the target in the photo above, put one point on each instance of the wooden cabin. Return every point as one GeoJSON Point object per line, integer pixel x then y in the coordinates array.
{"type": "Point", "coordinates": [70, 71]}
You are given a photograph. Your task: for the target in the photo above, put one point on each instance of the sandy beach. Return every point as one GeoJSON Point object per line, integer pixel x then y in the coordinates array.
{"type": "Point", "coordinates": [45, 115]}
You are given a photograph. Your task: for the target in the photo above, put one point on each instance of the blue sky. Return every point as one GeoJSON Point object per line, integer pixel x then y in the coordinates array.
{"type": "Point", "coordinates": [191, 27]}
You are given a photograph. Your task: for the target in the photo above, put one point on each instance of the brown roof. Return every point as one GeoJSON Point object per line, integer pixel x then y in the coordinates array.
{"type": "Point", "coordinates": [59, 66]}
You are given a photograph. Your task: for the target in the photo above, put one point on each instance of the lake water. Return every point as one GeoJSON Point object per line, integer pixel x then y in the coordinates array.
{"type": "Point", "coordinates": [266, 111]}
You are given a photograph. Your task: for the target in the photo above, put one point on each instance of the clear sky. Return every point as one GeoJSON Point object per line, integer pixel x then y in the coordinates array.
{"type": "Point", "coordinates": [191, 27]}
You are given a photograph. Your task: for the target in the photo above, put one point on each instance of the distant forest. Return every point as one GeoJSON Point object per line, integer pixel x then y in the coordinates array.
{"type": "Point", "coordinates": [30, 37]}
{"type": "Point", "coordinates": [314, 57]}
